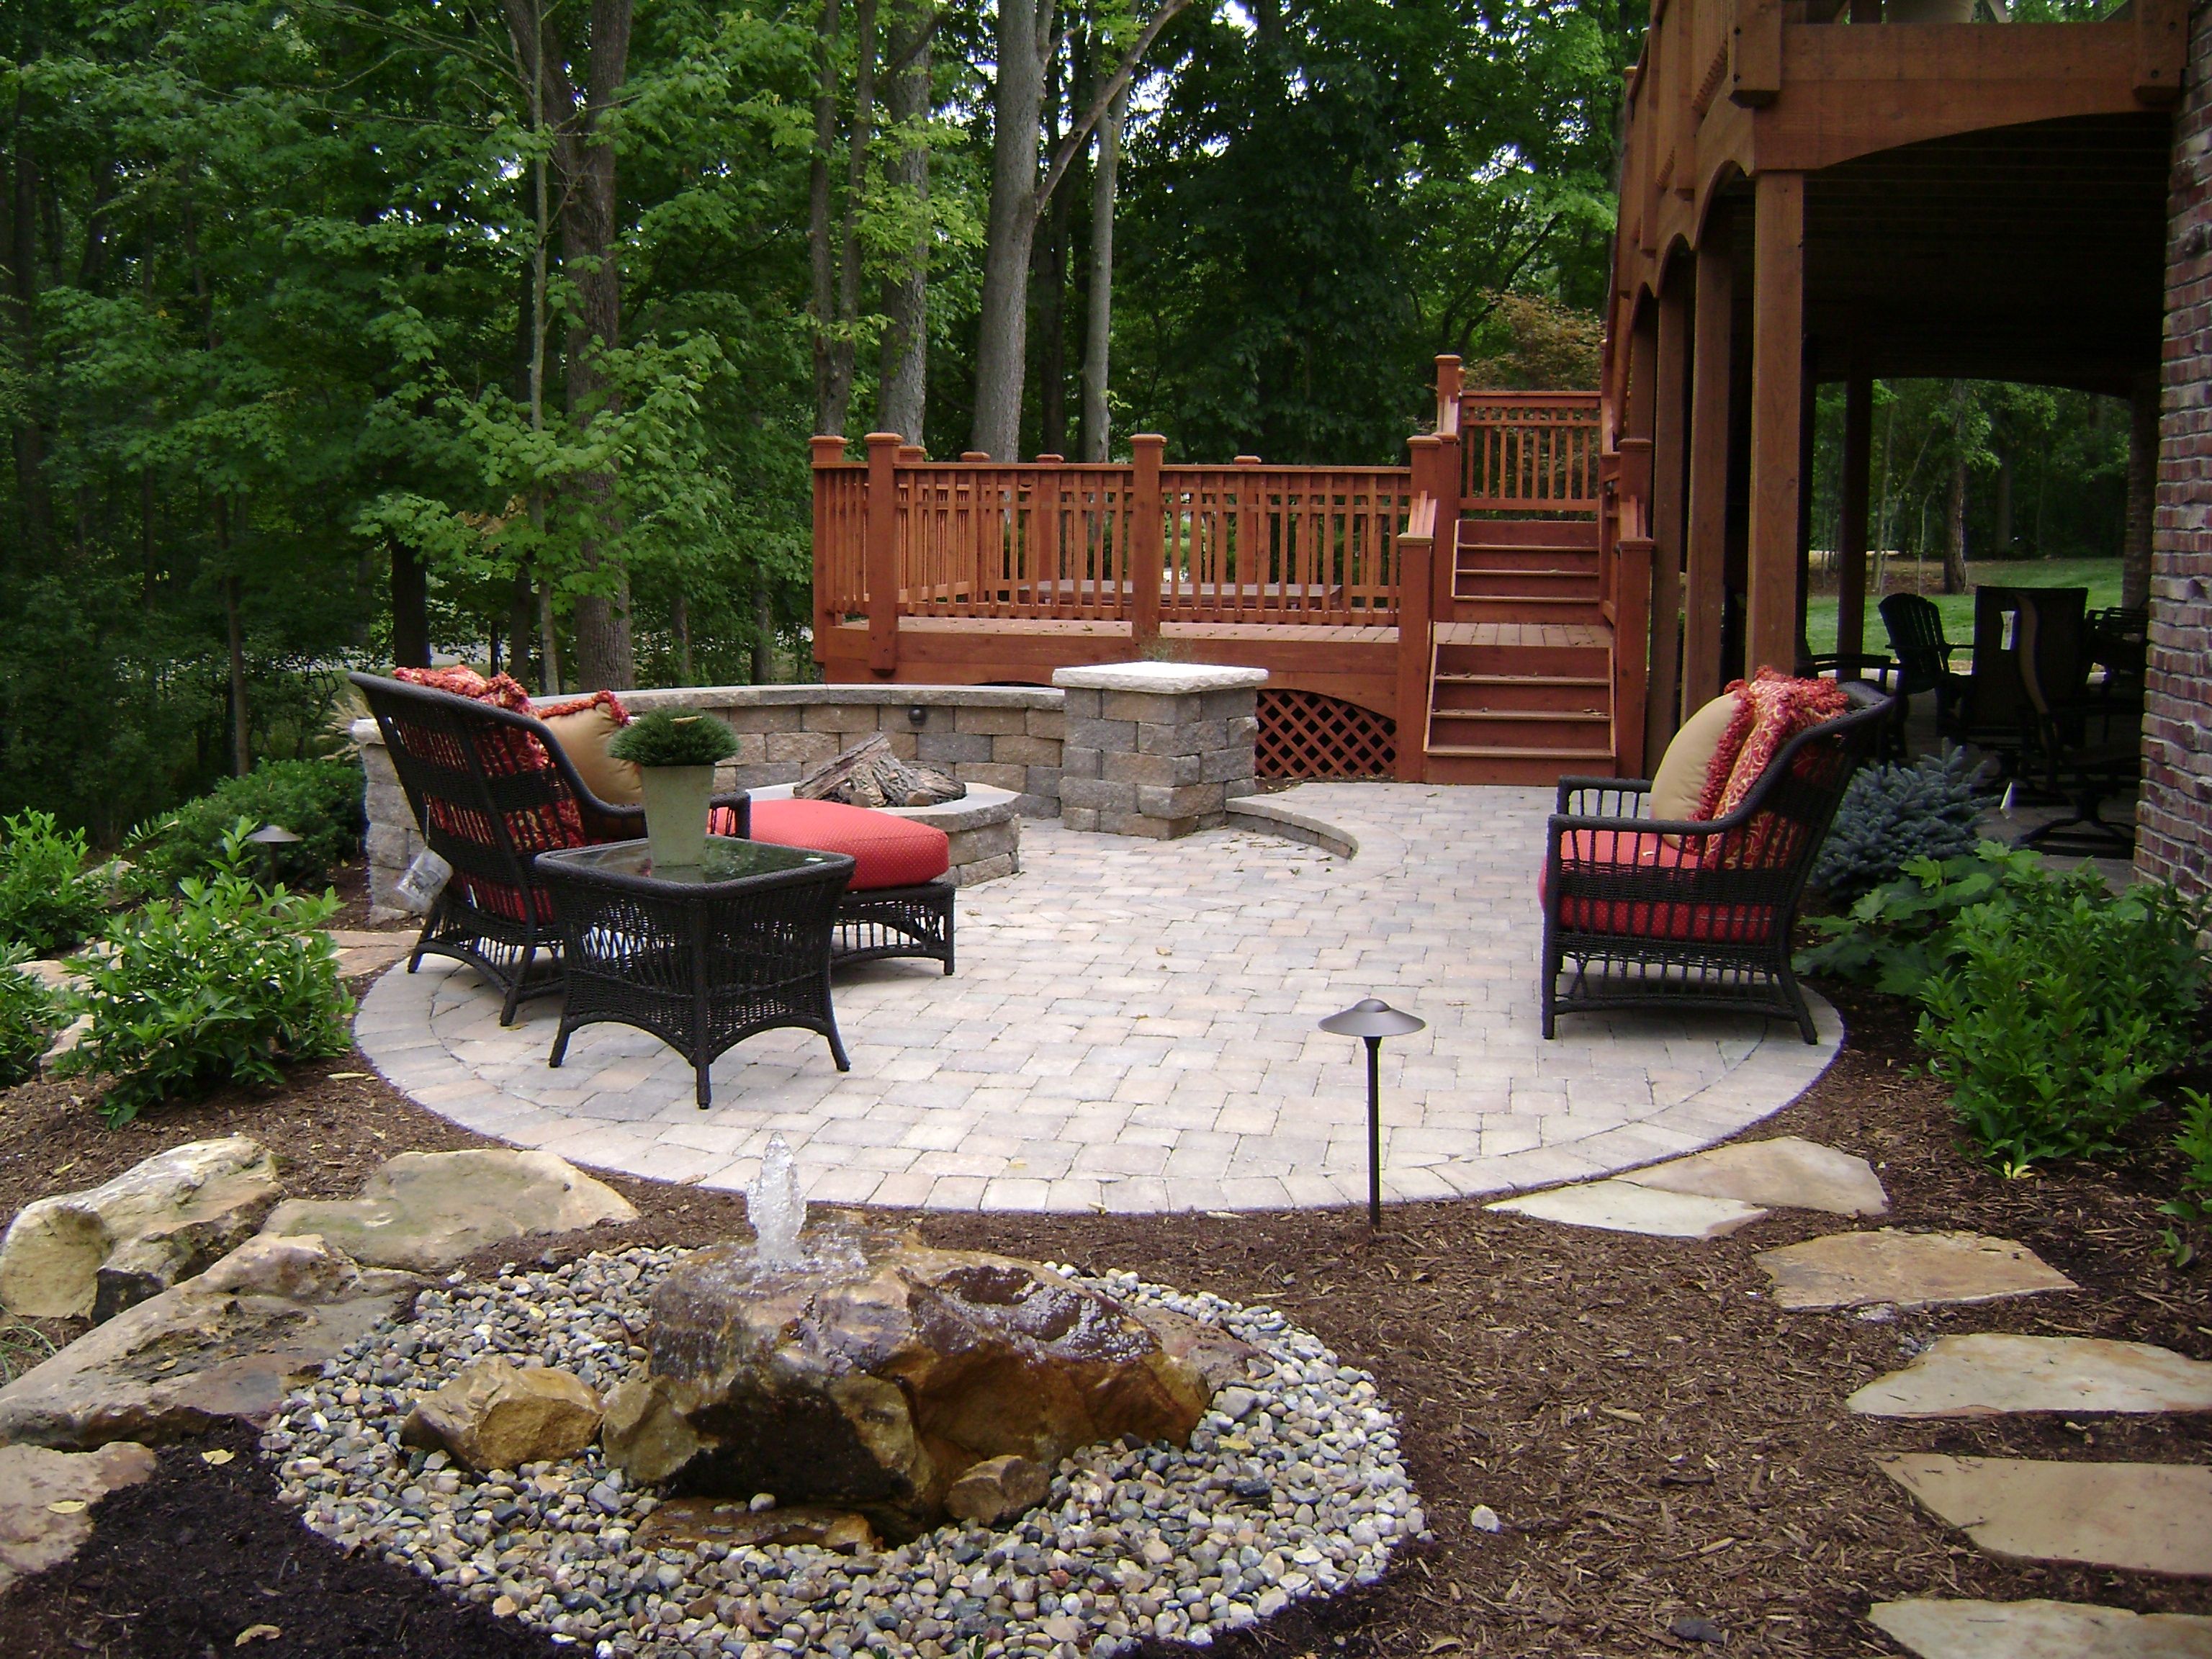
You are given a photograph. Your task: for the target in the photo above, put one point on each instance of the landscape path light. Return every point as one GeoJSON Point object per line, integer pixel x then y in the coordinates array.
{"type": "Point", "coordinates": [1372, 1019]}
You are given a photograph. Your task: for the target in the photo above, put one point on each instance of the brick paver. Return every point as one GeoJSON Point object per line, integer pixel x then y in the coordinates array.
{"type": "Point", "coordinates": [1133, 1028]}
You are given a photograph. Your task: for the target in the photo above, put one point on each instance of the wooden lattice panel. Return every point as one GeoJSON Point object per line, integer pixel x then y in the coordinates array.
{"type": "Point", "coordinates": [1304, 734]}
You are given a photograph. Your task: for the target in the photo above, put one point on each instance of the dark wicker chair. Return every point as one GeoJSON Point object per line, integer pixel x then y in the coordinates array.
{"type": "Point", "coordinates": [2083, 745]}
{"type": "Point", "coordinates": [1924, 655]}
{"type": "Point", "coordinates": [1645, 914]}
{"type": "Point", "coordinates": [490, 790]}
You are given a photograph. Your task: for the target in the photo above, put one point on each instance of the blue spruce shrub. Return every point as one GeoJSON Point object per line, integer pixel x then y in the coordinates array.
{"type": "Point", "coordinates": [1892, 815]}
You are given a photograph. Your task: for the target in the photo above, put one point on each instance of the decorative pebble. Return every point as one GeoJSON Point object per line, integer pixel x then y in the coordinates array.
{"type": "Point", "coordinates": [1291, 1488]}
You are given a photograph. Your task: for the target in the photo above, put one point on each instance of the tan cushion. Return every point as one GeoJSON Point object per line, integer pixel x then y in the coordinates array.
{"type": "Point", "coordinates": [1680, 782]}
{"type": "Point", "coordinates": [584, 736]}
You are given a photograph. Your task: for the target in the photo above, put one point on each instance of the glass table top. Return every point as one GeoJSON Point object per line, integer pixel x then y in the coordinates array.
{"type": "Point", "coordinates": [724, 860]}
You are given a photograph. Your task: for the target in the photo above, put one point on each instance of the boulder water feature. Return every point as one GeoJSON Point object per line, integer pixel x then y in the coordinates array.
{"type": "Point", "coordinates": [874, 1372]}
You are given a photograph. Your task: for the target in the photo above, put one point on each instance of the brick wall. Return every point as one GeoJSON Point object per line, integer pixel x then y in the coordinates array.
{"type": "Point", "coordinates": [2174, 822]}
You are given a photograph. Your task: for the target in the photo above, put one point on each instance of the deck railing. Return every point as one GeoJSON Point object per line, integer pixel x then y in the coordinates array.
{"type": "Point", "coordinates": [1136, 542]}
{"type": "Point", "coordinates": [1529, 452]}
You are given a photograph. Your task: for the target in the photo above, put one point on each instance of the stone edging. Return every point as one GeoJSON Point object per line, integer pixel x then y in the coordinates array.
{"type": "Point", "coordinates": [1271, 816]}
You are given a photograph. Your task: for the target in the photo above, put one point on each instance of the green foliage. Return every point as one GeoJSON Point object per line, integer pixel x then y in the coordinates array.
{"type": "Point", "coordinates": [1893, 815]}
{"type": "Point", "coordinates": [29, 1015]}
{"type": "Point", "coordinates": [226, 983]}
{"type": "Point", "coordinates": [49, 901]}
{"type": "Point", "coordinates": [2193, 1140]}
{"type": "Point", "coordinates": [2059, 1003]}
{"type": "Point", "coordinates": [317, 800]}
{"type": "Point", "coordinates": [1895, 936]}
{"type": "Point", "coordinates": [663, 738]}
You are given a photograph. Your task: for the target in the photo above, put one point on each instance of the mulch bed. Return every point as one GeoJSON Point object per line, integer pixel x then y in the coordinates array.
{"type": "Point", "coordinates": [1661, 1444]}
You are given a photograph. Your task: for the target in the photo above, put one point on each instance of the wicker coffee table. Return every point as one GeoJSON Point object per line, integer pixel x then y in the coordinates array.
{"type": "Point", "coordinates": [702, 956]}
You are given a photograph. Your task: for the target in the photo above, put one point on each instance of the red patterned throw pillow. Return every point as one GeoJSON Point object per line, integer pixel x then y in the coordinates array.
{"type": "Point", "coordinates": [1771, 708]}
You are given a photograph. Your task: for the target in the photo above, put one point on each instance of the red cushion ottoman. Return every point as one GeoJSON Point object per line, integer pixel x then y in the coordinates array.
{"type": "Point", "coordinates": [886, 851]}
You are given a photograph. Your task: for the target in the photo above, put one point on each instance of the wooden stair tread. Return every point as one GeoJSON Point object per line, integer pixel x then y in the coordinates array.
{"type": "Point", "coordinates": [1523, 679]}
{"type": "Point", "coordinates": [1575, 715]}
{"type": "Point", "coordinates": [1465, 751]}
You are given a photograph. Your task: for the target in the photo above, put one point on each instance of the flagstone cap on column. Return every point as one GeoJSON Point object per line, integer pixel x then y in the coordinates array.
{"type": "Point", "coordinates": [1168, 679]}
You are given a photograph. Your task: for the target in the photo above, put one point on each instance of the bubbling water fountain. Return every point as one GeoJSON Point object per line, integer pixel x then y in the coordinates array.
{"type": "Point", "coordinates": [777, 1208]}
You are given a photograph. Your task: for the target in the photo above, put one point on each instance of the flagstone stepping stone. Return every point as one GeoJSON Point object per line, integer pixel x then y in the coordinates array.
{"type": "Point", "coordinates": [2150, 1517]}
{"type": "Point", "coordinates": [46, 1499]}
{"type": "Point", "coordinates": [1905, 1270]}
{"type": "Point", "coordinates": [2040, 1630]}
{"type": "Point", "coordinates": [101, 1249]}
{"type": "Point", "coordinates": [1786, 1173]}
{"type": "Point", "coordinates": [228, 1345]}
{"type": "Point", "coordinates": [361, 951]}
{"type": "Point", "coordinates": [1627, 1207]}
{"type": "Point", "coordinates": [1981, 1376]}
{"type": "Point", "coordinates": [426, 1211]}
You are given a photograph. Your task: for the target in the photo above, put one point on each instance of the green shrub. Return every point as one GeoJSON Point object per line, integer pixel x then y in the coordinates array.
{"type": "Point", "coordinates": [664, 738]}
{"type": "Point", "coordinates": [1893, 937]}
{"type": "Point", "coordinates": [1892, 815]}
{"type": "Point", "coordinates": [225, 983]}
{"type": "Point", "coordinates": [30, 1014]}
{"type": "Point", "coordinates": [49, 903]}
{"type": "Point", "coordinates": [2194, 1142]}
{"type": "Point", "coordinates": [317, 800]}
{"type": "Point", "coordinates": [2055, 1005]}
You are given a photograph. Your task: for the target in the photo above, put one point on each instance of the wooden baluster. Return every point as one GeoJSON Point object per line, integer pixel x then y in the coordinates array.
{"type": "Point", "coordinates": [883, 594]}
{"type": "Point", "coordinates": [1045, 487]}
{"type": "Point", "coordinates": [1146, 449]}
{"type": "Point", "coordinates": [832, 550]}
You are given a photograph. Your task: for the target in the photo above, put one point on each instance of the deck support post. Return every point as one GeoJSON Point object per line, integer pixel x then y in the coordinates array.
{"type": "Point", "coordinates": [1777, 377]}
{"type": "Point", "coordinates": [1147, 530]}
{"type": "Point", "coordinates": [828, 452]}
{"type": "Point", "coordinates": [1417, 552]}
{"type": "Point", "coordinates": [882, 553]}
{"type": "Point", "coordinates": [1851, 526]}
{"type": "Point", "coordinates": [1662, 700]}
{"type": "Point", "coordinates": [1706, 588]}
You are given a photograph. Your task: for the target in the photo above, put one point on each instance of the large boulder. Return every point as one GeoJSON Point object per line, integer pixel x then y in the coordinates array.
{"type": "Point", "coordinates": [99, 1251]}
{"type": "Point", "coordinates": [498, 1416]}
{"type": "Point", "coordinates": [875, 1382]}
{"type": "Point", "coordinates": [426, 1211]}
{"type": "Point", "coordinates": [228, 1345]}
{"type": "Point", "coordinates": [47, 1498]}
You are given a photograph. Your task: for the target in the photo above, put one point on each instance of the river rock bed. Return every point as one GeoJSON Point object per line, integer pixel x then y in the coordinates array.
{"type": "Point", "coordinates": [1291, 1488]}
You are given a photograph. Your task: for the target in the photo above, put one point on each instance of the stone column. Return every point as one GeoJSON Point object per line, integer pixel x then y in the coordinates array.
{"type": "Point", "coordinates": [392, 841]}
{"type": "Point", "coordinates": [1156, 749]}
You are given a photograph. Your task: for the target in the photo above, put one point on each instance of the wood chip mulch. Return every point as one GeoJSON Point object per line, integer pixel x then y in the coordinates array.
{"type": "Point", "coordinates": [1669, 1454]}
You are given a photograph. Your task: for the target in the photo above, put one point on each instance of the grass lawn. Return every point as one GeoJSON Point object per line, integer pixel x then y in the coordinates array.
{"type": "Point", "coordinates": [2100, 576]}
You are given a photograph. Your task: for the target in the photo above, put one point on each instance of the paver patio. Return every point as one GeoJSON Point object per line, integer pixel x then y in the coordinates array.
{"type": "Point", "coordinates": [1132, 1027]}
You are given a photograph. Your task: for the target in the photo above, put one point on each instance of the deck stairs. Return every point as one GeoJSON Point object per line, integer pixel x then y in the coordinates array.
{"type": "Point", "coordinates": [1521, 678]}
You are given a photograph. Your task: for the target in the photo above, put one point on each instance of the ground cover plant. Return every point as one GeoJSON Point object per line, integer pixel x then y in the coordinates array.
{"type": "Point", "coordinates": [49, 901]}
{"type": "Point", "coordinates": [29, 1015]}
{"type": "Point", "coordinates": [2049, 1003]}
{"type": "Point", "coordinates": [317, 800]}
{"type": "Point", "coordinates": [226, 982]}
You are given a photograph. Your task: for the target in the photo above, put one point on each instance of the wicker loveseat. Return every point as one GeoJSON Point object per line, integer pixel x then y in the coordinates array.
{"type": "Point", "coordinates": [1641, 913]}
{"type": "Point", "coordinates": [492, 789]}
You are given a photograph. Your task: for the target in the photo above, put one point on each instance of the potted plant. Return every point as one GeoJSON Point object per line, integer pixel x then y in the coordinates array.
{"type": "Point", "coordinates": [675, 754]}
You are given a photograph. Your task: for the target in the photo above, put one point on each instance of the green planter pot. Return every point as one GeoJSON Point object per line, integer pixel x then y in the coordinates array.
{"type": "Point", "coordinates": [676, 812]}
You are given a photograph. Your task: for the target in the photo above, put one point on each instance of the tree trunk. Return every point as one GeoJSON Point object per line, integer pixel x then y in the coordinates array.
{"type": "Point", "coordinates": [1017, 101]}
{"type": "Point", "coordinates": [1098, 328]}
{"type": "Point", "coordinates": [233, 624]}
{"type": "Point", "coordinates": [36, 520]}
{"type": "Point", "coordinates": [763, 632]}
{"type": "Point", "coordinates": [519, 625]}
{"type": "Point", "coordinates": [549, 644]}
{"type": "Point", "coordinates": [679, 630]}
{"type": "Point", "coordinates": [821, 252]}
{"type": "Point", "coordinates": [585, 156]}
{"type": "Point", "coordinates": [1050, 270]}
{"type": "Point", "coordinates": [2142, 493]}
{"type": "Point", "coordinates": [411, 608]}
{"type": "Point", "coordinates": [844, 347]}
{"type": "Point", "coordinates": [1955, 517]}
{"type": "Point", "coordinates": [2004, 507]}
{"type": "Point", "coordinates": [904, 386]}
